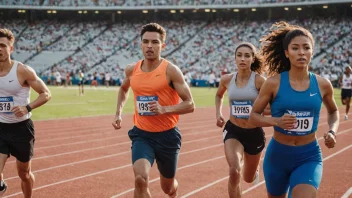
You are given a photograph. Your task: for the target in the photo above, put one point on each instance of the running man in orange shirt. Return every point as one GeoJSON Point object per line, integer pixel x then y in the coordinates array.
{"type": "Point", "coordinates": [157, 86]}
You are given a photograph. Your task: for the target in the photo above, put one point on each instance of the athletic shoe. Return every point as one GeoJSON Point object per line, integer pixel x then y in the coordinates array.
{"type": "Point", "coordinates": [3, 188]}
{"type": "Point", "coordinates": [256, 179]}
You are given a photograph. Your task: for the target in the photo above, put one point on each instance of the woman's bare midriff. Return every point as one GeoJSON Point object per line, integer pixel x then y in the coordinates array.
{"type": "Point", "coordinates": [240, 122]}
{"type": "Point", "coordinates": [294, 140]}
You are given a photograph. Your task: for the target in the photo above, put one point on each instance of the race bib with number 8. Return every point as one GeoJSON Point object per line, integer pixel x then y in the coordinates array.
{"type": "Point", "coordinates": [241, 109]}
{"type": "Point", "coordinates": [304, 123]}
{"type": "Point", "coordinates": [6, 104]}
{"type": "Point", "coordinates": [143, 106]}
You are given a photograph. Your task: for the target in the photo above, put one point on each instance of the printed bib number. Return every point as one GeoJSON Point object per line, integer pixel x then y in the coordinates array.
{"type": "Point", "coordinates": [304, 122]}
{"type": "Point", "coordinates": [241, 109]}
{"type": "Point", "coordinates": [143, 106]}
{"type": "Point", "coordinates": [6, 104]}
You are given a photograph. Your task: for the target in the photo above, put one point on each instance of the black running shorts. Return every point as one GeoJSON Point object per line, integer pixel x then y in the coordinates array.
{"type": "Point", "coordinates": [17, 139]}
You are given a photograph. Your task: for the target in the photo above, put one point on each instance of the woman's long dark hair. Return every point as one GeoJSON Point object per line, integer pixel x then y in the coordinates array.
{"type": "Point", "coordinates": [274, 44]}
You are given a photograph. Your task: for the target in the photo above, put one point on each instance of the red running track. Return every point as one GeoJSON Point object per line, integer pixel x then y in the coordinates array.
{"type": "Point", "coordinates": [86, 157]}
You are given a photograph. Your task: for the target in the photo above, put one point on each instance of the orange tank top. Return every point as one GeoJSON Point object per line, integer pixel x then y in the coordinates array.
{"type": "Point", "coordinates": [149, 86]}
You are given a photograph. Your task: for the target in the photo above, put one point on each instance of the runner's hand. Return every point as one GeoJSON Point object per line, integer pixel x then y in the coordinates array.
{"type": "Point", "coordinates": [117, 122]}
{"type": "Point", "coordinates": [330, 140]}
{"type": "Point", "coordinates": [155, 107]}
{"type": "Point", "coordinates": [19, 111]}
{"type": "Point", "coordinates": [220, 121]}
{"type": "Point", "coordinates": [287, 121]}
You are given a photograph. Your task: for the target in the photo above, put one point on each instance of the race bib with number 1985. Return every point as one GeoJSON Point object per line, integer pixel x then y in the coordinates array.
{"type": "Point", "coordinates": [143, 106]}
{"type": "Point", "coordinates": [241, 108]}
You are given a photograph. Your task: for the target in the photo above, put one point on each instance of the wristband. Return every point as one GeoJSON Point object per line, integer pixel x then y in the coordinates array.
{"type": "Point", "coordinates": [333, 133]}
{"type": "Point", "coordinates": [29, 109]}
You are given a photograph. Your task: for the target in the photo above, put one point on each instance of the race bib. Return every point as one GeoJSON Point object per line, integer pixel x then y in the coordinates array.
{"type": "Point", "coordinates": [304, 122]}
{"type": "Point", "coordinates": [143, 106]}
{"type": "Point", "coordinates": [241, 108]}
{"type": "Point", "coordinates": [6, 104]}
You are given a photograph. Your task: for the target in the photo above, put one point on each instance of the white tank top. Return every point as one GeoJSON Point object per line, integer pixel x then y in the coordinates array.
{"type": "Point", "coordinates": [12, 94]}
{"type": "Point", "coordinates": [346, 82]}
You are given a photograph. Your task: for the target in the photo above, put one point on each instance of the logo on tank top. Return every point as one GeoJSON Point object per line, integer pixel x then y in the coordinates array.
{"type": "Point", "coordinates": [304, 123]}
{"type": "Point", "coordinates": [241, 108]}
{"type": "Point", "coordinates": [143, 106]}
{"type": "Point", "coordinates": [6, 104]}
{"type": "Point", "coordinates": [347, 82]}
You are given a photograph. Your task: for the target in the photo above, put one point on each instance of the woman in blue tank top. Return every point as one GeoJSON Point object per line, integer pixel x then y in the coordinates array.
{"type": "Point", "coordinates": [295, 96]}
{"type": "Point", "coordinates": [242, 141]}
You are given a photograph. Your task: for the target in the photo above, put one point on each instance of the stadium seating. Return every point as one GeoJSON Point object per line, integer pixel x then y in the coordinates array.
{"type": "Point", "coordinates": [130, 3]}
{"type": "Point", "coordinates": [198, 47]}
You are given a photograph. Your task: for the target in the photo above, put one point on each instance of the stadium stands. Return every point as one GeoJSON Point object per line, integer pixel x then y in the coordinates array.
{"type": "Point", "coordinates": [197, 46]}
{"type": "Point", "coordinates": [131, 3]}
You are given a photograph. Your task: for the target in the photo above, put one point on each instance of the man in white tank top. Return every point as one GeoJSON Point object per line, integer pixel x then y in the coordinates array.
{"type": "Point", "coordinates": [16, 127]}
{"type": "Point", "coordinates": [80, 83]}
{"type": "Point", "coordinates": [345, 82]}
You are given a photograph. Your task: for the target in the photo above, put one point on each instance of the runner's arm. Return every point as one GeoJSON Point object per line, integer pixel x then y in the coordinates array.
{"type": "Point", "coordinates": [36, 84]}
{"type": "Point", "coordinates": [219, 97]}
{"type": "Point", "coordinates": [330, 104]}
{"type": "Point", "coordinates": [265, 96]}
{"type": "Point", "coordinates": [259, 81]}
{"type": "Point", "coordinates": [183, 90]}
{"type": "Point", "coordinates": [340, 81]}
{"type": "Point", "coordinates": [123, 91]}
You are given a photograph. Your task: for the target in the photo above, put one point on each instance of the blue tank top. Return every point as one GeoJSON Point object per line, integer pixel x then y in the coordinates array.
{"type": "Point", "coordinates": [305, 105]}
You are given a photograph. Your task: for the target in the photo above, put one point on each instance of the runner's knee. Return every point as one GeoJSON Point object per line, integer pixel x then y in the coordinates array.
{"type": "Point", "coordinates": [141, 181]}
{"type": "Point", "coordinates": [170, 188]}
{"type": "Point", "coordinates": [249, 178]}
{"type": "Point", "coordinates": [235, 175]}
{"type": "Point", "coordinates": [343, 102]}
{"type": "Point", "coordinates": [24, 174]}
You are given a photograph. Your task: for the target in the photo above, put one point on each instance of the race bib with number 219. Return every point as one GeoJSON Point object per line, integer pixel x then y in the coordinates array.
{"type": "Point", "coordinates": [304, 123]}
